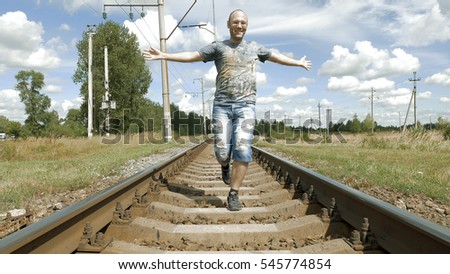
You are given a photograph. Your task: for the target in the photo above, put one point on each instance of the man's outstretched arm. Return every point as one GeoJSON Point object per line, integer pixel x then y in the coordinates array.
{"type": "Point", "coordinates": [186, 56]}
{"type": "Point", "coordinates": [284, 60]}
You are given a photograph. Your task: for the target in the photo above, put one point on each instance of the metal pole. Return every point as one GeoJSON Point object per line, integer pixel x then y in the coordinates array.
{"type": "Point", "coordinates": [203, 105]}
{"type": "Point", "coordinates": [165, 76]}
{"type": "Point", "coordinates": [106, 91]}
{"type": "Point", "coordinates": [214, 21]}
{"type": "Point", "coordinates": [90, 33]}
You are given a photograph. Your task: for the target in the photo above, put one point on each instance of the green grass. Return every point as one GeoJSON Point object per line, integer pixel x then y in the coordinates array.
{"type": "Point", "coordinates": [407, 164]}
{"type": "Point", "coordinates": [33, 168]}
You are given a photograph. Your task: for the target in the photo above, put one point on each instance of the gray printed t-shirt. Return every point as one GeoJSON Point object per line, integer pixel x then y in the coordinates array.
{"type": "Point", "coordinates": [236, 73]}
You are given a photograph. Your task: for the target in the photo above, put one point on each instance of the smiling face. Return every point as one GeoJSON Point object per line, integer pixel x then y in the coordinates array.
{"type": "Point", "coordinates": [237, 24]}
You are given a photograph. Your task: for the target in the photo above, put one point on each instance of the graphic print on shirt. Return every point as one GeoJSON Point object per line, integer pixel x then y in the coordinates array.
{"type": "Point", "coordinates": [238, 78]}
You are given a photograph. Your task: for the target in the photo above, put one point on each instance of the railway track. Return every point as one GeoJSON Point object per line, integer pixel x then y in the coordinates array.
{"type": "Point", "coordinates": [179, 206]}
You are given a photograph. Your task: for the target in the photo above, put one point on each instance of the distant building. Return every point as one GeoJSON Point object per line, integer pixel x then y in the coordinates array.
{"type": "Point", "coordinates": [2, 136]}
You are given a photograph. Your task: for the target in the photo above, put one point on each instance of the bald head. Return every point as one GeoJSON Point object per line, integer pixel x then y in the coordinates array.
{"type": "Point", "coordinates": [237, 11]}
{"type": "Point", "coordinates": [237, 24]}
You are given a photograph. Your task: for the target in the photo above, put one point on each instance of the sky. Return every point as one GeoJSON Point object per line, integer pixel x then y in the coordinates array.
{"type": "Point", "coordinates": [355, 47]}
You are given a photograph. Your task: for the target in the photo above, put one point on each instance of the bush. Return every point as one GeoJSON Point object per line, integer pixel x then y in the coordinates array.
{"type": "Point", "coordinates": [446, 133]}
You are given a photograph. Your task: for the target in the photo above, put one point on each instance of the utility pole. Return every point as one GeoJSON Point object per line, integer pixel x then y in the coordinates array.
{"type": "Point", "coordinates": [107, 103]}
{"type": "Point", "coordinates": [320, 121]}
{"type": "Point", "coordinates": [415, 80]}
{"type": "Point", "coordinates": [90, 31]}
{"type": "Point", "coordinates": [329, 122]}
{"type": "Point", "coordinates": [165, 75]}
{"type": "Point", "coordinates": [214, 21]}
{"type": "Point", "coordinates": [203, 105]}
{"type": "Point", "coordinates": [106, 97]}
{"type": "Point", "coordinates": [164, 69]}
{"type": "Point", "coordinates": [371, 109]}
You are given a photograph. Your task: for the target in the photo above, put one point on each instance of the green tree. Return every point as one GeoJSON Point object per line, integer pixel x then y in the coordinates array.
{"type": "Point", "coordinates": [74, 124]}
{"type": "Point", "coordinates": [129, 77]}
{"type": "Point", "coordinates": [14, 129]}
{"type": "Point", "coordinates": [53, 127]}
{"type": "Point", "coordinates": [3, 124]}
{"type": "Point", "coordinates": [368, 124]}
{"type": "Point", "coordinates": [29, 84]}
{"type": "Point", "coordinates": [444, 126]}
{"type": "Point", "coordinates": [355, 125]}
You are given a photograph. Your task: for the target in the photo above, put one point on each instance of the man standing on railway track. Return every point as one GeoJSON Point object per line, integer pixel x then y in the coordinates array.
{"type": "Point", "coordinates": [233, 115]}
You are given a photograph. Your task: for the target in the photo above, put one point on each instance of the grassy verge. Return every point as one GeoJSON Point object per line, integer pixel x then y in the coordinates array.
{"type": "Point", "coordinates": [411, 164]}
{"type": "Point", "coordinates": [31, 168]}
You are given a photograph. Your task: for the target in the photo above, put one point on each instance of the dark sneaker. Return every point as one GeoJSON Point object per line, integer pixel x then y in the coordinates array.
{"type": "Point", "coordinates": [233, 203]}
{"type": "Point", "coordinates": [226, 177]}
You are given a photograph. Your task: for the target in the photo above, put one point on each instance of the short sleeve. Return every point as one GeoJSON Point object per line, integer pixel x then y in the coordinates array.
{"type": "Point", "coordinates": [263, 54]}
{"type": "Point", "coordinates": [209, 52]}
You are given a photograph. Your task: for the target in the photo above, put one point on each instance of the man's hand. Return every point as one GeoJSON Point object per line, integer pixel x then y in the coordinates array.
{"type": "Point", "coordinates": [152, 54]}
{"type": "Point", "coordinates": [305, 63]}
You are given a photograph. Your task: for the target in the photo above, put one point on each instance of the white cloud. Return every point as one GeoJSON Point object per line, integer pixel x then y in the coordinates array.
{"type": "Point", "coordinates": [22, 46]}
{"type": "Point", "coordinates": [288, 92]}
{"type": "Point", "coordinates": [62, 107]}
{"type": "Point", "coordinates": [261, 78]}
{"type": "Point", "coordinates": [424, 95]}
{"type": "Point", "coordinates": [305, 113]}
{"type": "Point", "coordinates": [11, 106]}
{"type": "Point", "coordinates": [326, 103]}
{"type": "Point", "coordinates": [281, 94]}
{"type": "Point", "coordinates": [65, 27]}
{"type": "Point", "coordinates": [396, 100]}
{"type": "Point", "coordinates": [445, 99]}
{"type": "Point", "coordinates": [304, 81]}
{"type": "Point", "coordinates": [368, 62]}
{"type": "Point", "coordinates": [444, 7]}
{"type": "Point", "coordinates": [185, 104]}
{"type": "Point", "coordinates": [277, 107]}
{"type": "Point", "coordinates": [352, 85]}
{"type": "Point", "coordinates": [57, 44]}
{"type": "Point", "coordinates": [421, 26]}
{"type": "Point", "coordinates": [400, 96]}
{"type": "Point", "coordinates": [72, 6]}
{"type": "Point", "coordinates": [441, 78]}
{"type": "Point", "coordinates": [52, 89]}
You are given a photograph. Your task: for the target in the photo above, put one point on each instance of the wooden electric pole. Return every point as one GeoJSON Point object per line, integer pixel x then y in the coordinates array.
{"type": "Point", "coordinates": [415, 80]}
{"type": "Point", "coordinates": [371, 109]}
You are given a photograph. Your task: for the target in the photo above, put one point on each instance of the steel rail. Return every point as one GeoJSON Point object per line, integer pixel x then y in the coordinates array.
{"type": "Point", "coordinates": [61, 232]}
{"type": "Point", "coordinates": [396, 230]}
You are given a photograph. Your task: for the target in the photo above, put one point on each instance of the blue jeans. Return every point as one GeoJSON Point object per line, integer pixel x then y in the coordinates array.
{"type": "Point", "coordinates": [233, 126]}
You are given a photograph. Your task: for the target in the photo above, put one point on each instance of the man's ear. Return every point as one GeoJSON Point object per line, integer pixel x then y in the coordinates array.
{"type": "Point", "coordinates": [228, 24]}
